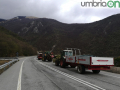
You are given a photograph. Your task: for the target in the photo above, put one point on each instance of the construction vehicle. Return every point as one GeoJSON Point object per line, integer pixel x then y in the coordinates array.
{"type": "Point", "coordinates": [83, 62]}
{"type": "Point", "coordinates": [47, 56]}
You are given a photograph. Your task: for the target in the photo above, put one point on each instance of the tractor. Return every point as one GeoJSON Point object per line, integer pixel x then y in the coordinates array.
{"type": "Point", "coordinates": [47, 56]}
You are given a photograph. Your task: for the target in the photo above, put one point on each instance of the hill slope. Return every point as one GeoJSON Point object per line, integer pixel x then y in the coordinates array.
{"type": "Point", "coordinates": [100, 38]}
{"type": "Point", "coordinates": [10, 44]}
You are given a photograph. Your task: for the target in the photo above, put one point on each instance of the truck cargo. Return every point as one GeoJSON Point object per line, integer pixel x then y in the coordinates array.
{"type": "Point", "coordinates": [83, 62]}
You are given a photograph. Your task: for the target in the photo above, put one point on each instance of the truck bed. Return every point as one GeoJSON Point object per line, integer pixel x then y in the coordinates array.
{"type": "Point", "coordinates": [90, 60]}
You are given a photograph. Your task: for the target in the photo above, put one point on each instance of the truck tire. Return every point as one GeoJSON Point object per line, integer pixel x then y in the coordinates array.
{"type": "Point", "coordinates": [81, 69]}
{"type": "Point", "coordinates": [96, 71]}
{"type": "Point", "coordinates": [57, 63]}
{"type": "Point", "coordinates": [42, 59]}
{"type": "Point", "coordinates": [45, 58]}
{"type": "Point", "coordinates": [62, 63]}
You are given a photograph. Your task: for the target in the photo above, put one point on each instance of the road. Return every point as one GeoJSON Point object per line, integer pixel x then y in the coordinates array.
{"type": "Point", "coordinates": [32, 74]}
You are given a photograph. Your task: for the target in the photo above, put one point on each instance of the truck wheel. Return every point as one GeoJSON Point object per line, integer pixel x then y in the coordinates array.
{"type": "Point", "coordinates": [62, 63]}
{"type": "Point", "coordinates": [81, 69]}
{"type": "Point", "coordinates": [57, 63]}
{"type": "Point", "coordinates": [96, 71]}
{"type": "Point", "coordinates": [44, 58]}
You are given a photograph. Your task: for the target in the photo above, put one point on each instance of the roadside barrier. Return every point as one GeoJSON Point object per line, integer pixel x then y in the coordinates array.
{"type": "Point", "coordinates": [5, 66]}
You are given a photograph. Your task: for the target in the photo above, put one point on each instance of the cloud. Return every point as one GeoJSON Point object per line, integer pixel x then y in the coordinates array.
{"type": "Point", "coordinates": [67, 11]}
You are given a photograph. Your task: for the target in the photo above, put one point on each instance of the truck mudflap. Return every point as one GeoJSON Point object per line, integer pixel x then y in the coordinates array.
{"type": "Point", "coordinates": [98, 67]}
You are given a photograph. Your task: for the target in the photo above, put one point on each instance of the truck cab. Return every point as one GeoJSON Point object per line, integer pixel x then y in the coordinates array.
{"type": "Point", "coordinates": [65, 53]}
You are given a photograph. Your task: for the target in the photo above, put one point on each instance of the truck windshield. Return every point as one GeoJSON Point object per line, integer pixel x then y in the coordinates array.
{"type": "Point", "coordinates": [70, 54]}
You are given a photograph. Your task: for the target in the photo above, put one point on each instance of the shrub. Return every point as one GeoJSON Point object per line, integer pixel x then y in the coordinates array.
{"type": "Point", "coordinates": [117, 62]}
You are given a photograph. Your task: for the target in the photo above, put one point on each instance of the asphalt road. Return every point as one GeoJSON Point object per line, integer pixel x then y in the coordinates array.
{"type": "Point", "coordinates": [32, 74]}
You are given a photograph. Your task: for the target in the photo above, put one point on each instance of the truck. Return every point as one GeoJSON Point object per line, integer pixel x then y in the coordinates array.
{"type": "Point", "coordinates": [83, 62]}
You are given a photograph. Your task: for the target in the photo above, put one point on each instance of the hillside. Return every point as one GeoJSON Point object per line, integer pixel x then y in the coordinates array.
{"type": "Point", "coordinates": [99, 38]}
{"type": "Point", "coordinates": [10, 44]}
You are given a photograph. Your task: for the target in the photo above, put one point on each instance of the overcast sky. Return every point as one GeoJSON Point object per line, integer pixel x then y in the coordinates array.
{"type": "Point", "coordinates": [67, 11]}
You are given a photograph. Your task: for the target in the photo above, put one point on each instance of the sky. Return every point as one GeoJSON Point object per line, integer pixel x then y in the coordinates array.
{"type": "Point", "coordinates": [66, 11]}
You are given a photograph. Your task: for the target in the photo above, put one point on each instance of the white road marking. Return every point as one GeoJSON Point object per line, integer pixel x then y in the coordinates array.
{"type": "Point", "coordinates": [74, 78]}
{"type": "Point", "coordinates": [20, 76]}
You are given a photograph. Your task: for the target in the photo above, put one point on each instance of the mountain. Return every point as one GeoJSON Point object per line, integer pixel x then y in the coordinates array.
{"type": "Point", "coordinates": [2, 20]}
{"type": "Point", "coordinates": [99, 38]}
{"type": "Point", "coordinates": [11, 43]}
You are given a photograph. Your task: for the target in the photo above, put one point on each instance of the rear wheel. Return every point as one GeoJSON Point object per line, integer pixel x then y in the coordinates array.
{"type": "Point", "coordinates": [49, 59]}
{"type": "Point", "coordinates": [62, 63]}
{"type": "Point", "coordinates": [42, 59]}
{"type": "Point", "coordinates": [96, 71]}
{"type": "Point", "coordinates": [81, 69]}
{"type": "Point", "coordinates": [45, 58]}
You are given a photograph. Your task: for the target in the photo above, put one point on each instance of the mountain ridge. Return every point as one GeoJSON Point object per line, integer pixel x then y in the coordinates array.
{"type": "Point", "coordinates": [100, 38]}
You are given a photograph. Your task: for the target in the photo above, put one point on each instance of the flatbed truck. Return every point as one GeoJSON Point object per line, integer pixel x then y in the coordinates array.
{"type": "Point", "coordinates": [83, 62]}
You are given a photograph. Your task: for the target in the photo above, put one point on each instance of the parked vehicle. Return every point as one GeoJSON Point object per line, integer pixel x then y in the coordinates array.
{"type": "Point", "coordinates": [47, 56]}
{"type": "Point", "coordinates": [83, 62]}
{"type": "Point", "coordinates": [39, 56]}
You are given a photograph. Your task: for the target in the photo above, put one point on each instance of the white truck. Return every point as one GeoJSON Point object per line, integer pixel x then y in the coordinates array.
{"type": "Point", "coordinates": [83, 62]}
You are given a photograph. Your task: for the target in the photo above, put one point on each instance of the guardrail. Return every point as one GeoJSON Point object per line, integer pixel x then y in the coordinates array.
{"type": "Point", "coordinates": [6, 58]}
{"type": "Point", "coordinates": [8, 64]}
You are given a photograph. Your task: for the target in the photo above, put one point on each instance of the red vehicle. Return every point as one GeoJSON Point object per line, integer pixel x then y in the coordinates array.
{"type": "Point", "coordinates": [40, 56]}
{"type": "Point", "coordinates": [84, 62]}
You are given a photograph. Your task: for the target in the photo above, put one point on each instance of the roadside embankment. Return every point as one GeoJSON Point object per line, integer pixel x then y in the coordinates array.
{"type": "Point", "coordinates": [114, 69]}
